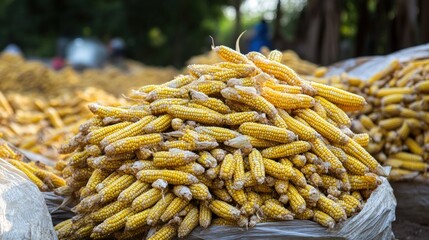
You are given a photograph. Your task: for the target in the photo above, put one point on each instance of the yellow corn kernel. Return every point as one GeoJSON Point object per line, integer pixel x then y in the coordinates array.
{"type": "Point", "coordinates": [161, 106]}
{"type": "Point", "coordinates": [248, 96]}
{"type": "Point", "coordinates": [304, 132]}
{"type": "Point", "coordinates": [363, 182]}
{"type": "Point", "coordinates": [173, 158]}
{"type": "Point", "coordinates": [128, 131]}
{"type": "Point", "coordinates": [146, 199]}
{"type": "Point", "coordinates": [331, 208]}
{"type": "Point", "coordinates": [107, 211]}
{"type": "Point", "coordinates": [212, 103]}
{"type": "Point", "coordinates": [354, 166]}
{"type": "Point", "coordinates": [239, 177]}
{"type": "Point", "coordinates": [323, 219]}
{"type": "Point", "coordinates": [230, 55]}
{"type": "Point", "coordinates": [204, 216]}
{"type": "Point", "coordinates": [137, 220]}
{"type": "Point", "coordinates": [327, 130]}
{"type": "Point", "coordinates": [113, 223]}
{"type": "Point", "coordinates": [166, 92]}
{"type": "Point", "coordinates": [414, 146]}
{"type": "Point", "coordinates": [278, 70]}
{"type": "Point", "coordinates": [179, 144]}
{"type": "Point", "coordinates": [274, 209]}
{"type": "Point", "coordinates": [133, 191]}
{"type": "Point", "coordinates": [338, 96]}
{"type": "Point", "coordinates": [227, 167]}
{"type": "Point", "coordinates": [286, 150]}
{"type": "Point", "coordinates": [278, 170]}
{"type": "Point", "coordinates": [299, 161]}
{"type": "Point", "coordinates": [238, 118]}
{"type": "Point", "coordinates": [287, 100]}
{"type": "Point", "coordinates": [224, 210]}
{"type": "Point", "coordinates": [174, 208]}
{"type": "Point", "coordinates": [158, 209]}
{"type": "Point", "coordinates": [195, 114]}
{"type": "Point", "coordinates": [113, 190]}
{"type": "Point", "coordinates": [237, 195]}
{"type": "Point", "coordinates": [160, 124]}
{"type": "Point", "coordinates": [247, 82]}
{"type": "Point", "coordinates": [323, 152]}
{"type": "Point", "coordinates": [189, 223]}
{"type": "Point", "coordinates": [222, 194]}
{"type": "Point", "coordinates": [296, 201]}
{"type": "Point", "coordinates": [21, 166]}
{"type": "Point", "coordinates": [220, 134]}
{"type": "Point", "coordinates": [335, 113]}
{"type": "Point", "coordinates": [171, 176]}
{"type": "Point", "coordinates": [267, 132]}
{"type": "Point", "coordinates": [205, 86]}
{"type": "Point", "coordinates": [192, 168]}
{"type": "Point", "coordinates": [200, 192]}
{"type": "Point", "coordinates": [207, 160]}
{"type": "Point", "coordinates": [131, 144]}
{"type": "Point", "coordinates": [354, 149]}
{"type": "Point", "coordinates": [166, 232]}
{"type": "Point", "coordinates": [275, 55]}
{"type": "Point", "coordinates": [362, 139]}
{"type": "Point", "coordinates": [116, 112]}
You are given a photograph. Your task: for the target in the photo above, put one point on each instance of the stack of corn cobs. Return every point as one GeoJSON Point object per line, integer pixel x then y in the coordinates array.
{"type": "Point", "coordinates": [233, 143]}
{"type": "Point", "coordinates": [40, 125]}
{"type": "Point", "coordinates": [397, 117]}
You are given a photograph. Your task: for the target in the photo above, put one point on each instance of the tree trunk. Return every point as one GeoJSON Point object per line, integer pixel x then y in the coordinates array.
{"type": "Point", "coordinates": [277, 35]}
{"type": "Point", "coordinates": [331, 33]}
{"type": "Point", "coordinates": [237, 31]}
{"type": "Point", "coordinates": [424, 21]}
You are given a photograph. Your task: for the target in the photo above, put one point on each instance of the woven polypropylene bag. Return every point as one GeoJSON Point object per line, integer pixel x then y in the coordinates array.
{"type": "Point", "coordinates": [23, 212]}
{"type": "Point", "coordinates": [373, 222]}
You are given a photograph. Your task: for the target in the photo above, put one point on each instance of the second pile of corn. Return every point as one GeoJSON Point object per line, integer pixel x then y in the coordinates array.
{"type": "Point", "coordinates": [238, 142]}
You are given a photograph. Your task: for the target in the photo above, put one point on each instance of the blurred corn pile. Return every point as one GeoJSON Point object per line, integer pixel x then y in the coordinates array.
{"type": "Point", "coordinates": [44, 177]}
{"type": "Point", "coordinates": [237, 142]}
{"type": "Point", "coordinates": [19, 75]}
{"type": "Point", "coordinates": [397, 117]}
{"type": "Point", "coordinates": [40, 124]}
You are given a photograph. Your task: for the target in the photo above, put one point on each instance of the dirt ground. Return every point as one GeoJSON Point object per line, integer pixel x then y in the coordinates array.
{"type": "Point", "coordinates": [412, 211]}
{"type": "Point", "coordinates": [405, 229]}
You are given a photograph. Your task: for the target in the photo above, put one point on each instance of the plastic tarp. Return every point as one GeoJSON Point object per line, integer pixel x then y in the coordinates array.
{"type": "Point", "coordinates": [376, 64]}
{"type": "Point", "coordinates": [58, 206]}
{"type": "Point", "coordinates": [372, 222]}
{"type": "Point", "coordinates": [23, 212]}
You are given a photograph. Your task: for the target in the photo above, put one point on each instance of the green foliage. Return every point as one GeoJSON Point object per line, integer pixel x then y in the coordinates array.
{"type": "Point", "coordinates": [156, 32]}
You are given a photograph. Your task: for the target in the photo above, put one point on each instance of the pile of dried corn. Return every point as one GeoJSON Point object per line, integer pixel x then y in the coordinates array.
{"type": "Point", "coordinates": [241, 141]}
{"type": "Point", "coordinates": [42, 176]}
{"type": "Point", "coordinates": [39, 125]}
{"type": "Point", "coordinates": [397, 117]}
{"type": "Point", "coordinates": [19, 75]}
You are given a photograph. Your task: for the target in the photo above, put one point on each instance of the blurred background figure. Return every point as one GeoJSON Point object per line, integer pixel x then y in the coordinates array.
{"type": "Point", "coordinates": [117, 51]}
{"type": "Point", "coordinates": [13, 49]}
{"type": "Point", "coordinates": [261, 37]}
{"type": "Point", "coordinates": [86, 53]}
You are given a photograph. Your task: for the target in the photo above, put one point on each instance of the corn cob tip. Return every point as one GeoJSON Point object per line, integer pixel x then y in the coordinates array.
{"type": "Point", "coordinates": [160, 184]}
{"type": "Point", "coordinates": [379, 170]}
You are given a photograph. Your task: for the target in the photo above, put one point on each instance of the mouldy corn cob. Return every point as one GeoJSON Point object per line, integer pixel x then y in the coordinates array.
{"type": "Point", "coordinates": [230, 152]}
{"type": "Point", "coordinates": [396, 118]}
